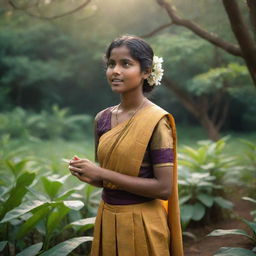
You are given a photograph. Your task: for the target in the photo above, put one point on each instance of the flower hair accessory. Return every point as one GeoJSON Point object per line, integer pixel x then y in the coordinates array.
{"type": "Point", "coordinates": [157, 72]}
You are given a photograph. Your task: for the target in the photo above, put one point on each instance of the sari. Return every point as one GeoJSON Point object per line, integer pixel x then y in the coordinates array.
{"type": "Point", "coordinates": [138, 229]}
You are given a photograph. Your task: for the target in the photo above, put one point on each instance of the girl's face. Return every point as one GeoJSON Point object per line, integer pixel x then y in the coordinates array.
{"type": "Point", "coordinates": [123, 72]}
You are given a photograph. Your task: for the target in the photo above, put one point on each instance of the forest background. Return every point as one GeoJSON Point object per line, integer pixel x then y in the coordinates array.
{"type": "Point", "coordinates": [46, 61]}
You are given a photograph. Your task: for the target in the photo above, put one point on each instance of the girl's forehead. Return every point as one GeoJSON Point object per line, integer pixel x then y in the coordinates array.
{"type": "Point", "coordinates": [120, 53]}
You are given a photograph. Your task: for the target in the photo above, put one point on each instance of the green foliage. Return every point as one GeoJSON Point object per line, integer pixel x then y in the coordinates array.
{"type": "Point", "coordinates": [66, 247]}
{"type": "Point", "coordinates": [201, 178]}
{"type": "Point", "coordinates": [215, 78]}
{"type": "Point", "coordinates": [246, 161]}
{"type": "Point", "coordinates": [46, 125]}
{"type": "Point", "coordinates": [226, 251]}
{"type": "Point", "coordinates": [209, 157]}
{"type": "Point", "coordinates": [33, 202]}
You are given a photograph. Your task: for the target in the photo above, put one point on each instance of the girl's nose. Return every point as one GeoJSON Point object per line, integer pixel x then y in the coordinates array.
{"type": "Point", "coordinates": [116, 69]}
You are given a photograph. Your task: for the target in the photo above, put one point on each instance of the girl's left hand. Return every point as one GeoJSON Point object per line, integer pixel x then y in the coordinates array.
{"type": "Point", "coordinates": [86, 171]}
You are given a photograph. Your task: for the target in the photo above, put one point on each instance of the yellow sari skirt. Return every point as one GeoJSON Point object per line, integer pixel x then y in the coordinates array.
{"type": "Point", "coordinates": [131, 230]}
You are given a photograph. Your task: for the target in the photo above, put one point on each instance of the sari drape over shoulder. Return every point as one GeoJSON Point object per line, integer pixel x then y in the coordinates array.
{"type": "Point", "coordinates": [122, 150]}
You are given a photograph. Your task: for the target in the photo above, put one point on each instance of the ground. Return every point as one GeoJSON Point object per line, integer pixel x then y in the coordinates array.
{"type": "Point", "coordinates": [207, 246]}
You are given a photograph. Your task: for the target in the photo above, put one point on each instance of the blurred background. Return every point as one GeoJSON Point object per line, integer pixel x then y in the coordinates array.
{"type": "Point", "coordinates": [52, 83]}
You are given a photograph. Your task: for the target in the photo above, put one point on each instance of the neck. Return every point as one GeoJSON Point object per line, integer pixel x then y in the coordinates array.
{"type": "Point", "coordinates": [129, 102]}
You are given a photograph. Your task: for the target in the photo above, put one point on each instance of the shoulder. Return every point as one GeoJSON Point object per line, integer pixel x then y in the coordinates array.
{"type": "Point", "coordinates": [100, 114]}
{"type": "Point", "coordinates": [164, 123]}
{"type": "Point", "coordinates": [162, 136]}
{"type": "Point", "coordinates": [157, 109]}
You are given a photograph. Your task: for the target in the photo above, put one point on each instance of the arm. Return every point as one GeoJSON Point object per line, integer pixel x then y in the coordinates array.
{"type": "Point", "coordinates": [158, 187]}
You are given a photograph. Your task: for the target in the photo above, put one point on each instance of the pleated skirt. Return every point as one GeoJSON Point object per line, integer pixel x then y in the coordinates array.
{"type": "Point", "coordinates": [131, 230]}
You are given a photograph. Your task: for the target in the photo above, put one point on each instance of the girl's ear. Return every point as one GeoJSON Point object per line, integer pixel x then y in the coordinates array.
{"type": "Point", "coordinates": [147, 72]}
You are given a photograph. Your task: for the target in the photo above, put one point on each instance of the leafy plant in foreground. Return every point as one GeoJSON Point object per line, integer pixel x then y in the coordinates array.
{"type": "Point", "coordinates": [26, 212]}
{"type": "Point", "coordinates": [235, 251]}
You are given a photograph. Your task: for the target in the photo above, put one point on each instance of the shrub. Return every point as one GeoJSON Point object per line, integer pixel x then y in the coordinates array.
{"type": "Point", "coordinates": [201, 174]}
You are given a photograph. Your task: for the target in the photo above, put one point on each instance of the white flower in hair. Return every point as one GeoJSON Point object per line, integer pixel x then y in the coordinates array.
{"type": "Point", "coordinates": [157, 71]}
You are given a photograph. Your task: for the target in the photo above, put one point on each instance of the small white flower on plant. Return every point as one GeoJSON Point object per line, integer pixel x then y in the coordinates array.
{"type": "Point", "coordinates": [157, 71]}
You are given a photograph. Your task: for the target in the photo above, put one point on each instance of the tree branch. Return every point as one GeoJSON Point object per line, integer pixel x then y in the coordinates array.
{"type": "Point", "coordinates": [155, 31]}
{"type": "Point", "coordinates": [210, 37]}
{"type": "Point", "coordinates": [83, 5]}
{"type": "Point", "coordinates": [183, 96]}
{"type": "Point", "coordinates": [252, 10]}
{"type": "Point", "coordinates": [223, 114]}
{"type": "Point", "coordinates": [242, 35]}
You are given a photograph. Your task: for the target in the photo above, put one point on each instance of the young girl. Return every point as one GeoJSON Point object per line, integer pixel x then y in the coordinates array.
{"type": "Point", "coordinates": [136, 150]}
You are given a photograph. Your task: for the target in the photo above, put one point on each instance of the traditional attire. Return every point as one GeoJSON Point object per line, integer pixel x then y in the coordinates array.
{"type": "Point", "coordinates": [129, 224]}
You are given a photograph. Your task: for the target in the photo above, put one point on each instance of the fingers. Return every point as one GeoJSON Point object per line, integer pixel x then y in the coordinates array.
{"type": "Point", "coordinates": [79, 161]}
{"type": "Point", "coordinates": [81, 177]}
{"type": "Point", "coordinates": [74, 169]}
{"type": "Point", "coordinates": [77, 165]}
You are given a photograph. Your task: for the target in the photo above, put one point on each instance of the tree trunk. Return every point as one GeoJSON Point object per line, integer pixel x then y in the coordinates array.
{"type": "Point", "coordinates": [241, 32]}
{"type": "Point", "coordinates": [210, 127]}
{"type": "Point", "coordinates": [197, 108]}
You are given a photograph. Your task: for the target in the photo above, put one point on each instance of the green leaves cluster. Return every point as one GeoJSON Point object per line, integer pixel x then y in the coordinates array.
{"type": "Point", "coordinates": [54, 124]}
{"type": "Point", "coordinates": [41, 204]}
{"type": "Point", "coordinates": [201, 178]}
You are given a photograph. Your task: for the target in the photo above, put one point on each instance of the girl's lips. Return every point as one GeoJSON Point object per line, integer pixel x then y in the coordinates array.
{"type": "Point", "coordinates": [116, 81]}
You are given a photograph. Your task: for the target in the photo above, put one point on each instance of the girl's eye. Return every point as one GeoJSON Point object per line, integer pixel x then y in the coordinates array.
{"type": "Point", "coordinates": [110, 64]}
{"type": "Point", "coordinates": [126, 64]}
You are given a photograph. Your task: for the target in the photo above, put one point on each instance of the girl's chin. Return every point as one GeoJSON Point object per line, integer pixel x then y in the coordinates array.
{"type": "Point", "coordinates": [115, 88]}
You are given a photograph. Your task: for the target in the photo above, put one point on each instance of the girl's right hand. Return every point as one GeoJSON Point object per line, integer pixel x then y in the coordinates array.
{"type": "Point", "coordinates": [98, 184]}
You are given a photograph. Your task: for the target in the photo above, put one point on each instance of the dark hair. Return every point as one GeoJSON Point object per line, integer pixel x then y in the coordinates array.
{"type": "Point", "coordinates": [139, 49]}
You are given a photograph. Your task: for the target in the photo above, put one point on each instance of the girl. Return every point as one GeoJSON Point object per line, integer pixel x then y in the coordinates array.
{"type": "Point", "coordinates": [136, 150]}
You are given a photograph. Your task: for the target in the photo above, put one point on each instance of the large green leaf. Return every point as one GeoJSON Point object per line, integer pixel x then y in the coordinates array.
{"type": "Point", "coordinates": [2, 245]}
{"type": "Point", "coordinates": [249, 199]}
{"type": "Point", "coordinates": [223, 202]}
{"type": "Point", "coordinates": [198, 211]}
{"type": "Point", "coordinates": [53, 183]}
{"type": "Point", "coordinates": [31, 250]}
{"type": "Point", "coordinates": [226, 251]}
{"type": "Point", "coordinates": [74, 204]}
{"type": "Point", "coordinates": [22, 209]}
{"type": "Point", "coordinates": [16, 168]}
{"type": "Point", "coordinates": [64, 248]}
{"type": "Point", "coordinates": [32, 221]}
{"type": "Point", "coordinates": [251, 224]}
{"type": "Point", "coordinates": [83, 223]}
{"type": "Point", "coordinates": [206, 199]}
{"type": "Point", "coordinates": [17, 192]}
{"type": "Point", "coordinates": [69, 192]}
{"type": "Point", "coordinates": [56, 216]}
{"type": "Point", "coordinates": [184, 199]}
{"type": "Point", "coordinates": [186, 212]}
{"type": "Point", "coordinates": [223, 232]}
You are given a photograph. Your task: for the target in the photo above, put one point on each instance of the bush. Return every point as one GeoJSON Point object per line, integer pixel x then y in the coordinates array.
{"type": "Point", "coordinates": [45, 125]}
{"type": "Point", "coordinates": [202, 171]}
{"type": "Point", "coordinates": [40, 212]}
